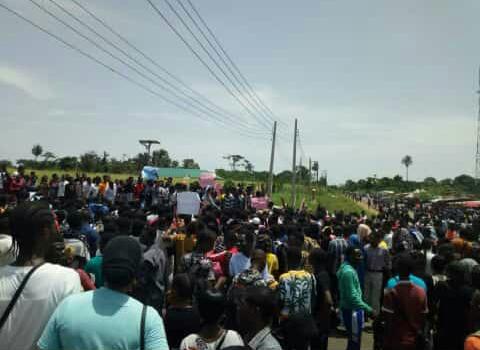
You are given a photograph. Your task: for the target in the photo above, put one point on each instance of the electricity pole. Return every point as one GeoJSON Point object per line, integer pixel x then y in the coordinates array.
{"type": "Point", "coordinates": [309, 171]}
{"type": "Point", "coordinates": [148, 145]}
{"type": "Point", "coordinates": [272, 158]}
{"type": "Point", "coordinates": [477, 154]}
{"type": "Point", "coordinates": [294, 166]}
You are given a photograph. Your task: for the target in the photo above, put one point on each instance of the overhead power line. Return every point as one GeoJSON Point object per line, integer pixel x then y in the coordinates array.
{"type": "Point", "coordinates": [204, 63]}
{"type": "Point", "coordinates": [217, 64]}
{"type": "Point", "coordinates": [217, 41]}
{"type": "Point", "coordinates": [153, 62]}
{"type": "Point", "coordinates": [205, 109]}
{"type": "Point", "coordinates": [99, 62]}
{"type": "Point", "coordinates": [140, 73]}
{"type": "Point", "coordinates": [258, 107]}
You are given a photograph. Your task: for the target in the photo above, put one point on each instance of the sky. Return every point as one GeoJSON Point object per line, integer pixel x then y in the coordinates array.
{"type": "Point", "coordinates": [369, 81]}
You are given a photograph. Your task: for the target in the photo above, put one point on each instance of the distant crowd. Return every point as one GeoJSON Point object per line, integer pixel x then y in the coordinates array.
{"type": "Point", "coordinates": [117, 264]}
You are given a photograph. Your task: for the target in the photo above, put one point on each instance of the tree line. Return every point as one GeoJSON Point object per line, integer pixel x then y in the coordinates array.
{"type": "Point", "coordinates": [93, 162]}
{"type": "Point", "coordinates": [463, 184]}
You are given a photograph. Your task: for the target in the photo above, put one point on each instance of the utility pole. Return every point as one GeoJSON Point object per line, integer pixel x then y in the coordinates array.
{"type": "Point", "coordinates": [294, 164]}
{"type": "Point", "coordinates": [148, 145]}
{"type": "Point", "coordinates": [477, 155]}
{"type": "Point", "coordinates": [272, 158]}
{"type": "Point", "coordinates": [309, 171]}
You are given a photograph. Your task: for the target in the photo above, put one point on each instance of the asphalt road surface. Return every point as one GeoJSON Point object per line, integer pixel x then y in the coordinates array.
{"type": "Point", "coordinates": [339, 342]}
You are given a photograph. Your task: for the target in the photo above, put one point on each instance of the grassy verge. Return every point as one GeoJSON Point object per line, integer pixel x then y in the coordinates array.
{"type": "Point", "coordinates": [330, 199]}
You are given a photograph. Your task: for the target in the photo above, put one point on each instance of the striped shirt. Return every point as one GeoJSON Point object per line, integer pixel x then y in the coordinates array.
{"type": "Point", "coordinates": [336, 254]}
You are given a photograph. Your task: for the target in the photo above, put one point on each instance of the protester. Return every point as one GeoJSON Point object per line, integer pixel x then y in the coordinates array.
{"type": "Point", "coordinates": [181, 318]}
{"type": "Point", "coordinates": [297, 287]}
{"type": "Point", "coordinates": [351, 304]}
{"type": "Point", "coordinates": [323, 304]}
{"type": "Point", "coordinates": [228, 247]}
{"type": "Point", "coordinates": [377, 263]}
{"type": "Point", "coordinates": [41, 285]}
{"type": "Point", "coordinates": [405, 309]}
{"type": "Point", "coordinates": [454, 298]}
{"type": "Point", "coordinates": [256, 312]}
{"type": "Point", "coordinates": [211, 306]}
{"type": "Point", "coordinates": [80, 321]}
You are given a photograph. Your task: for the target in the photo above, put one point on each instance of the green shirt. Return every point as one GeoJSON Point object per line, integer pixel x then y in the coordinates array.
{"type": "Point", "coordinates": [349, 287]}
{"type": "Point", "coordinates": [94, 266]}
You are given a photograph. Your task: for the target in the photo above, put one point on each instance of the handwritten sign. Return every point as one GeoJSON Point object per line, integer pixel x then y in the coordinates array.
{"type": "Point", "coordinates": [259, 203]}
{"type": "Point", "coordinates": [188, 203]}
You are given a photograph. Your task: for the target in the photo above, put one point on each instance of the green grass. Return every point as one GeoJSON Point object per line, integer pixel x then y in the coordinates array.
{"type": "Point", "coordinates": [330, 199]}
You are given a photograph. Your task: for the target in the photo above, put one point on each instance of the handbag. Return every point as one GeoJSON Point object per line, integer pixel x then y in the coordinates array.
{"type": "Point", "coordinates": [142, 328]}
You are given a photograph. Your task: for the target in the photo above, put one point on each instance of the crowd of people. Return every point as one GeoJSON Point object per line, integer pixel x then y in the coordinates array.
{"type": "Point", "coordinates": [108, 264]}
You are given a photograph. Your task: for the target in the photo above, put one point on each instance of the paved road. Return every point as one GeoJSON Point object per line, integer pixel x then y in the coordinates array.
{"type": "Point", "coordinates": [337, 342]}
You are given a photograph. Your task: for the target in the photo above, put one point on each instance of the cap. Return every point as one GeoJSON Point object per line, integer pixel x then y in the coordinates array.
{"type": "Point", "coordinates": [121, 260]}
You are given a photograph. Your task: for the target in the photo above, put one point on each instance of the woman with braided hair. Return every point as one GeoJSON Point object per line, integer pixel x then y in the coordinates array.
{"type": "Point", "coordinates": [25, 311]}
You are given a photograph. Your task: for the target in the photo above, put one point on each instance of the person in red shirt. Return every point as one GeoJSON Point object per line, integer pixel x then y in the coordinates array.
{"type": "Point", "coordinates": [405, 309]}
{"type": "Point", "coordinates": [139, 187]}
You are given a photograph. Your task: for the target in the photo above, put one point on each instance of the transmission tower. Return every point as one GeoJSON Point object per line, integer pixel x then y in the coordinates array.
{"type": "Point", "coordinates": [477, 155]}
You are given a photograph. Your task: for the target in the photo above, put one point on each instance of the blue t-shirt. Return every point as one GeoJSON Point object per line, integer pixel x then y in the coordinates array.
{"type": "Point", "coordinates": [392, 282]}
{"type": "Point", "coordinates": [102, 319]}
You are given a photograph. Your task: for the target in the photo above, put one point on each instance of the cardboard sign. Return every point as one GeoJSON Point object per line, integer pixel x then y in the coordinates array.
{"type": "Point", "coordinates": [188, 203]}
{"type": "Point", "coordinates": [259, 203]}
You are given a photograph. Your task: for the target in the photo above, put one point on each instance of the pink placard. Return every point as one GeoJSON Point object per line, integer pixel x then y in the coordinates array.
{"type": "Point", "coordinates": [207, 179]}
{"type": "Point", "coordinates": [259, 203]}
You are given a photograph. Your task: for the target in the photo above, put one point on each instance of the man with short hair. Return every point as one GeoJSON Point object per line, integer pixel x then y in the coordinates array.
{"type": "Point", "coordinates": [34, 233]}
{"type": "Point", "coordinates": [256, 309]}
{"type": "Point", "coordinates": [405, 308]}
{"type": "Point", "coordinates": [297, 287]}
{"type": "Point", "coordinates": [377, 261]}
{"type": "Point", "coordinates": [241, 261]}
{"type": "Point", "coordinates": [351, 304]}
{"type": "Point", "coordinates": [107, 318]}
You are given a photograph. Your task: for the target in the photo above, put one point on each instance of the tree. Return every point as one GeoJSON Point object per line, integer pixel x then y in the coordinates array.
{"type": "Point", "coordinates": [248, 166]}
{"type": "Point", "coordinates": [430, 181]}
{"type": "Point", "coordinates": [47, 156]}
{"type": "Point", "coordinates": [37, 150]}
{"type": "Point", "coordinates": [174, 164]}
{"type": "Point", "coordinates": [446, 182]}
{"type": "Point", "coordinates": [140, 161]}
{"type": "Point", "coordinates": [89, 161]}
{"type": "Point", "coordinates": [67, 163]}
{"type": "Point", "coordinates": [189, 163]}
{"type": "Point", "coordinates": [161, 158]}
{"type": "Point", "coordinates": [465, 182]}
{"type": "Point", "coordinates": [302, 173]}
{"type": "Point", "coordinates": [234, 159]}
{"type": "Point", "coordinates": [407, 161]}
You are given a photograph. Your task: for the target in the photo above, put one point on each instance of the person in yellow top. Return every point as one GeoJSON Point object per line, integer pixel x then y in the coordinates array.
{"type": "Point", "coordinates": [264, 242]}
{"type": "Point", "coordinates": [185, 239]}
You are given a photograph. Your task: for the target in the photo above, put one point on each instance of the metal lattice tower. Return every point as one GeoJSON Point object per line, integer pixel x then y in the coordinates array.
{"type": "Point", "coordinates": [477, 154]}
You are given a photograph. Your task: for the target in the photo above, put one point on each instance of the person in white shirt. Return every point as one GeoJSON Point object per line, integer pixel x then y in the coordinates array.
{"type": "Point", "coordinates": [33, 232]}
{"type": "Point", "coordinates": [86, 188]}
{"type": "Point", "coordinates": [211, 307]}
{"type": "Point", "coordinates": [61, 187]}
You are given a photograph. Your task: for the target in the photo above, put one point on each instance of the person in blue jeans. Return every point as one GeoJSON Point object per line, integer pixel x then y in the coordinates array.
{"type": "Point", "coordinates": [352, 306]}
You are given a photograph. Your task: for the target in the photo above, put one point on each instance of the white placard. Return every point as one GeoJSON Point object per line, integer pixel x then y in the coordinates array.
{"type": "Point", "coordinates": [188, 203]}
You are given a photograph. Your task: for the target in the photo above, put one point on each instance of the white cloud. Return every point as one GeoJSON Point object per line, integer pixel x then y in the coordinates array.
{"type": "Point", "coordinates": [25, 82]}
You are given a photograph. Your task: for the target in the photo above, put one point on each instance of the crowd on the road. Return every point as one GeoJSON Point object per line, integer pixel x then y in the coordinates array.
{"type": "Point", "coordinates": [107, 264]}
